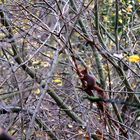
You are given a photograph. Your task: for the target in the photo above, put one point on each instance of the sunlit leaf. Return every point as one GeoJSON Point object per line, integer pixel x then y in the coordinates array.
{"type": "Point", "coordinates": [58, 82]}
{"type": "Point", "coordinates": [129, 8]}
{"type": "Point", "coordinates": [134, 58]}
{"type": "Point", "coordinates": [70, 126]}
{"type": "Point", "coordinates": [37, 91]}
{"type": "Point", "coordinates": [120, 21]}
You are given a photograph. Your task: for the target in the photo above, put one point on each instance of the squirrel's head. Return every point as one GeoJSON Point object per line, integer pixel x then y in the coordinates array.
{"type": "Point", "coordinates": [84, 71]}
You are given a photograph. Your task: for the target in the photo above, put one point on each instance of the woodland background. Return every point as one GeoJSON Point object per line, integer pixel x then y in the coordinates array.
{"type": "Point", "coordinates": [41, 94]}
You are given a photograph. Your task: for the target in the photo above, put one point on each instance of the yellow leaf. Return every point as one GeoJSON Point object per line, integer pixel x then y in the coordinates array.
{"type": "Point", "coordinates": [37, 91]}
{"type": "Point", "coordinates": [129, 8]}
{"type": "Point", "coordinates": [134, 58]}
{"type": "Point", "coordinates": [120, 21]}
{"type": "Point", "coordinates": [106, 19]}
{"type": "Point", "coordinates": [58, 82]}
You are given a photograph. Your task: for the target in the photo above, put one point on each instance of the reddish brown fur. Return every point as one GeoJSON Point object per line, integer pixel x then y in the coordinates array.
{"type": "Point", "coordinates": [90, 83]}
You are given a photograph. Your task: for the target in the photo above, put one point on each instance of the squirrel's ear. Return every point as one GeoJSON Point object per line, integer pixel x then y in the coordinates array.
{"type": "Point", "coordinates": [85, 69]}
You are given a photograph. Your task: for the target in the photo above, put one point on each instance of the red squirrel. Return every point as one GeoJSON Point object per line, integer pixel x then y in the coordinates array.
{"type": "Point", "coordinates": [90, 84]}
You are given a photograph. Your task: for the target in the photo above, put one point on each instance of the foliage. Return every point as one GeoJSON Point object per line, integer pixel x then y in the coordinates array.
{"type": "Point", "coordinates": [134, 58]}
